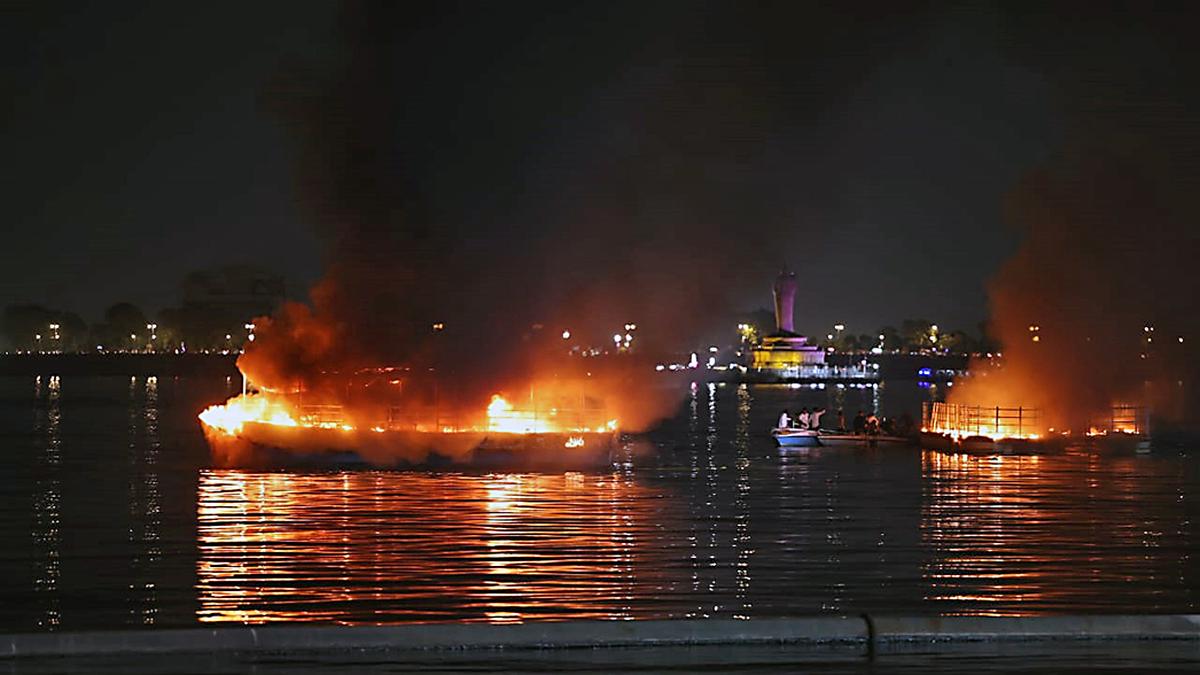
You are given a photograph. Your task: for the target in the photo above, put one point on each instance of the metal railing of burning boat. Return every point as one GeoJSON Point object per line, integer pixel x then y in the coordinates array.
{"type": "Point", "coordinates": [429, 418]}
{"type": "Point", "coordinates": [1123, 418]}
{"type": "Point", "coordinates": [398, 418]}
{"type": "Point", "coordinates": [313, 414]}
{"type": "Point", "coordinates": [974, 420]}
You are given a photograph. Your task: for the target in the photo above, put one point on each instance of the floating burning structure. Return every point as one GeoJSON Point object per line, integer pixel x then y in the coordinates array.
{"type": "Point", "coordinates": [1022, 430]}
{"type": "Point", "coordinates": [556, 426]}
{"type": "Point", "coordinates": [973, 427]}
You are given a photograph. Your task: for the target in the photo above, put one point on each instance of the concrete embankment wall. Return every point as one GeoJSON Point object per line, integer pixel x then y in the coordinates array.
{"type": "Point", "coordinates": [867, 632]}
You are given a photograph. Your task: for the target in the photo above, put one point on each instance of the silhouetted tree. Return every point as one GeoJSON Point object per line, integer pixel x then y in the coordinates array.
{"type": "Point", "coordinates": [24, 323]}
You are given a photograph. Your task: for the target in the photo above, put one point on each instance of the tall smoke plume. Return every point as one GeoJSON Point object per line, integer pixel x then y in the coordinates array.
{"type": "Point", "coordinates": [1098, 305]}
{"type": "Point", "coordinates": [626, 188]}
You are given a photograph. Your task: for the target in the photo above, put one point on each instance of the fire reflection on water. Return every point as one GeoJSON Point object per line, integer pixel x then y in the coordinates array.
{"type": "Point", "coordinates": [1019, 535]}
{"type": "Point", "coordinates": [417, 547]}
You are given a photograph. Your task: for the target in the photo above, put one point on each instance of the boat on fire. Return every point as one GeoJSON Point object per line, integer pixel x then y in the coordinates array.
{"type": "Point", "coordinates": [550, 433]}
{"type": "Point", "coordinates": [1018, 431]}
{"type": "Point", "coordinates": [477, 449]}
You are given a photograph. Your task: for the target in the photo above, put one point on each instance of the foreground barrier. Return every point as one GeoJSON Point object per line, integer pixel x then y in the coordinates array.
{"type": "Point", "coordinates": [867, 631]}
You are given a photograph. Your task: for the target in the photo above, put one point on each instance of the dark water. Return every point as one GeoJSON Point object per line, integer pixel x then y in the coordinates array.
{"type": "Point", "coordinates": [111, 515]}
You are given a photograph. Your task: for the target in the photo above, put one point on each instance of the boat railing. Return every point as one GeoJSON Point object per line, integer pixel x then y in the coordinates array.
{"type": "Point", "coordinates": [1123, 418]}
{"type": "Point", "coordinates": [974, 420]}
{"type": "Point", "coordinates": [321, 414]}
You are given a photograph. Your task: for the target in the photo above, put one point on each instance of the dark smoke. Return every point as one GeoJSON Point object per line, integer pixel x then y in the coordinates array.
{"type": "Point", "coordinates": [372, 306]}
{"type": "Point", "coordinates": [1110, 243]}
{"type": "Point", "coordinates": [1106, 281]}
{"type": "Point", "coordinates": [460, 172]}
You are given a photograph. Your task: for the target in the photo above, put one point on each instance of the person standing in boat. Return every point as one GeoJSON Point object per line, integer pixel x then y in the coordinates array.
{"type": "Point", "coordinates": [802, 418]}
{"type": "Point", "coordinates": [814, 418]}
{"type": "Point", "coordinates": [860, 423]}
{"type": "Point", "coordinates": [872, 425]}
{"type": "Point", "coordinates": [784, 420]}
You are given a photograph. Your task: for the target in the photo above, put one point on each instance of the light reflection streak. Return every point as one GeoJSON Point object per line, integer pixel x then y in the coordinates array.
{"type": "Point", "coordinates": [47, 505]}
{"type": "Point", "coordinates": [145, 502]}
{"type": "Point", "coordinates": [376, 547]}
{"type": "Point", "coordinates": [741, 540]}
{"type": "Point", "coordinates": [705, 515]}
{"type": "Point", "coordinates": [1019, 535]}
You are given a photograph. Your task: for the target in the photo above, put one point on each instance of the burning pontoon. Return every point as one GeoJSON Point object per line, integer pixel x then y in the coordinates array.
{"type": "Point", "coordinates": [1021, 430]}
{"type": "Point", "coordinates": [553, 428]}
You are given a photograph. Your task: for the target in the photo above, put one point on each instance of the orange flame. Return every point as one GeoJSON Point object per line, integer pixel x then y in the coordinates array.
{"type": "Point", "coordinates": [504, 418]}
{"type": "Point", "coordinates": [231, 418]}
{"type": "Point", "coordinates": [233, 415]}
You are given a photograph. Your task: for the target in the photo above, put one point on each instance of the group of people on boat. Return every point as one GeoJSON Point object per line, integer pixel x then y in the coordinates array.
{"type": "Point", "coordinates": [872, 425]}
{"type": "Point", "coordinates": [868, 424]}
{"type": "Point", "coordinates": [803, 420]}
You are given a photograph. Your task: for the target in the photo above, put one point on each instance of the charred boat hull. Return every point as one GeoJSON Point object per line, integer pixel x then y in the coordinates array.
{"type": "Point", "coordinates": [556, 451]}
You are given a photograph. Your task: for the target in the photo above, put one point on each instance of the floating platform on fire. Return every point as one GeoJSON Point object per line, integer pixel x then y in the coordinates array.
{"type": "Point", "coordinates": [547, 451]}
{"type": "Point", "coordinates": [271, 429]}
{"type": "Point", "coordinates": [1018, 431]}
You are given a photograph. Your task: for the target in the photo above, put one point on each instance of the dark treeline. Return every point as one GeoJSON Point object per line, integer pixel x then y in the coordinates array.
{"type": "Point", "coordinates": [216, 310]}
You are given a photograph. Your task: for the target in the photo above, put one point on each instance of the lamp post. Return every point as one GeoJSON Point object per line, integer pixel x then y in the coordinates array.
{"type": "Point", "coordinates": [437, 403]}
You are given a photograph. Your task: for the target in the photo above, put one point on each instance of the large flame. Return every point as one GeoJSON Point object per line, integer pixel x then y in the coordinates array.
{"type": "Point", "coordinates": [504, 418]}
{"type": "Point", "coordinates": [233, 415]}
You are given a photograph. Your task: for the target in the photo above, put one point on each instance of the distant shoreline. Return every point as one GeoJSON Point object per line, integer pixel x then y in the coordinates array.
{"type": "Point", "coordinates": [118, 364]}
{"type": "Point", "coordinates": [892, 366]}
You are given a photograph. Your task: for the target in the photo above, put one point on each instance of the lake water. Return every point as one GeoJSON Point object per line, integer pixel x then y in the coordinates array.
{"type": "Point", "coordinates": [112, 515]}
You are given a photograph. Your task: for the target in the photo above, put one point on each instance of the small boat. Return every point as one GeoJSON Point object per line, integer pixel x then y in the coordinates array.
{"type": "Point", "coordinates": [796, 438]}
{"type": "Point", "coordinates": [839, 438]}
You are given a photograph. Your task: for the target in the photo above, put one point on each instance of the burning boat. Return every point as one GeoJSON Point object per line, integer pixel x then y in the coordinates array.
{"type": "Point", "coordinates": [1020, 430]}
{"type": "Point", "coordinates": [987, 429]}
{"type": "Point", "coordinates": [546, 431]}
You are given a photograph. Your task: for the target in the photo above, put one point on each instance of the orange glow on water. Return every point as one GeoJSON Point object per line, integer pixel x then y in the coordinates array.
{"type": "Point", "coordinates": [375, 547]}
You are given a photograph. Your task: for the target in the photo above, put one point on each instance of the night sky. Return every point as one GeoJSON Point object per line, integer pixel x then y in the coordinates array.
{"type": "Point", "coordinates": [604, 149]}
